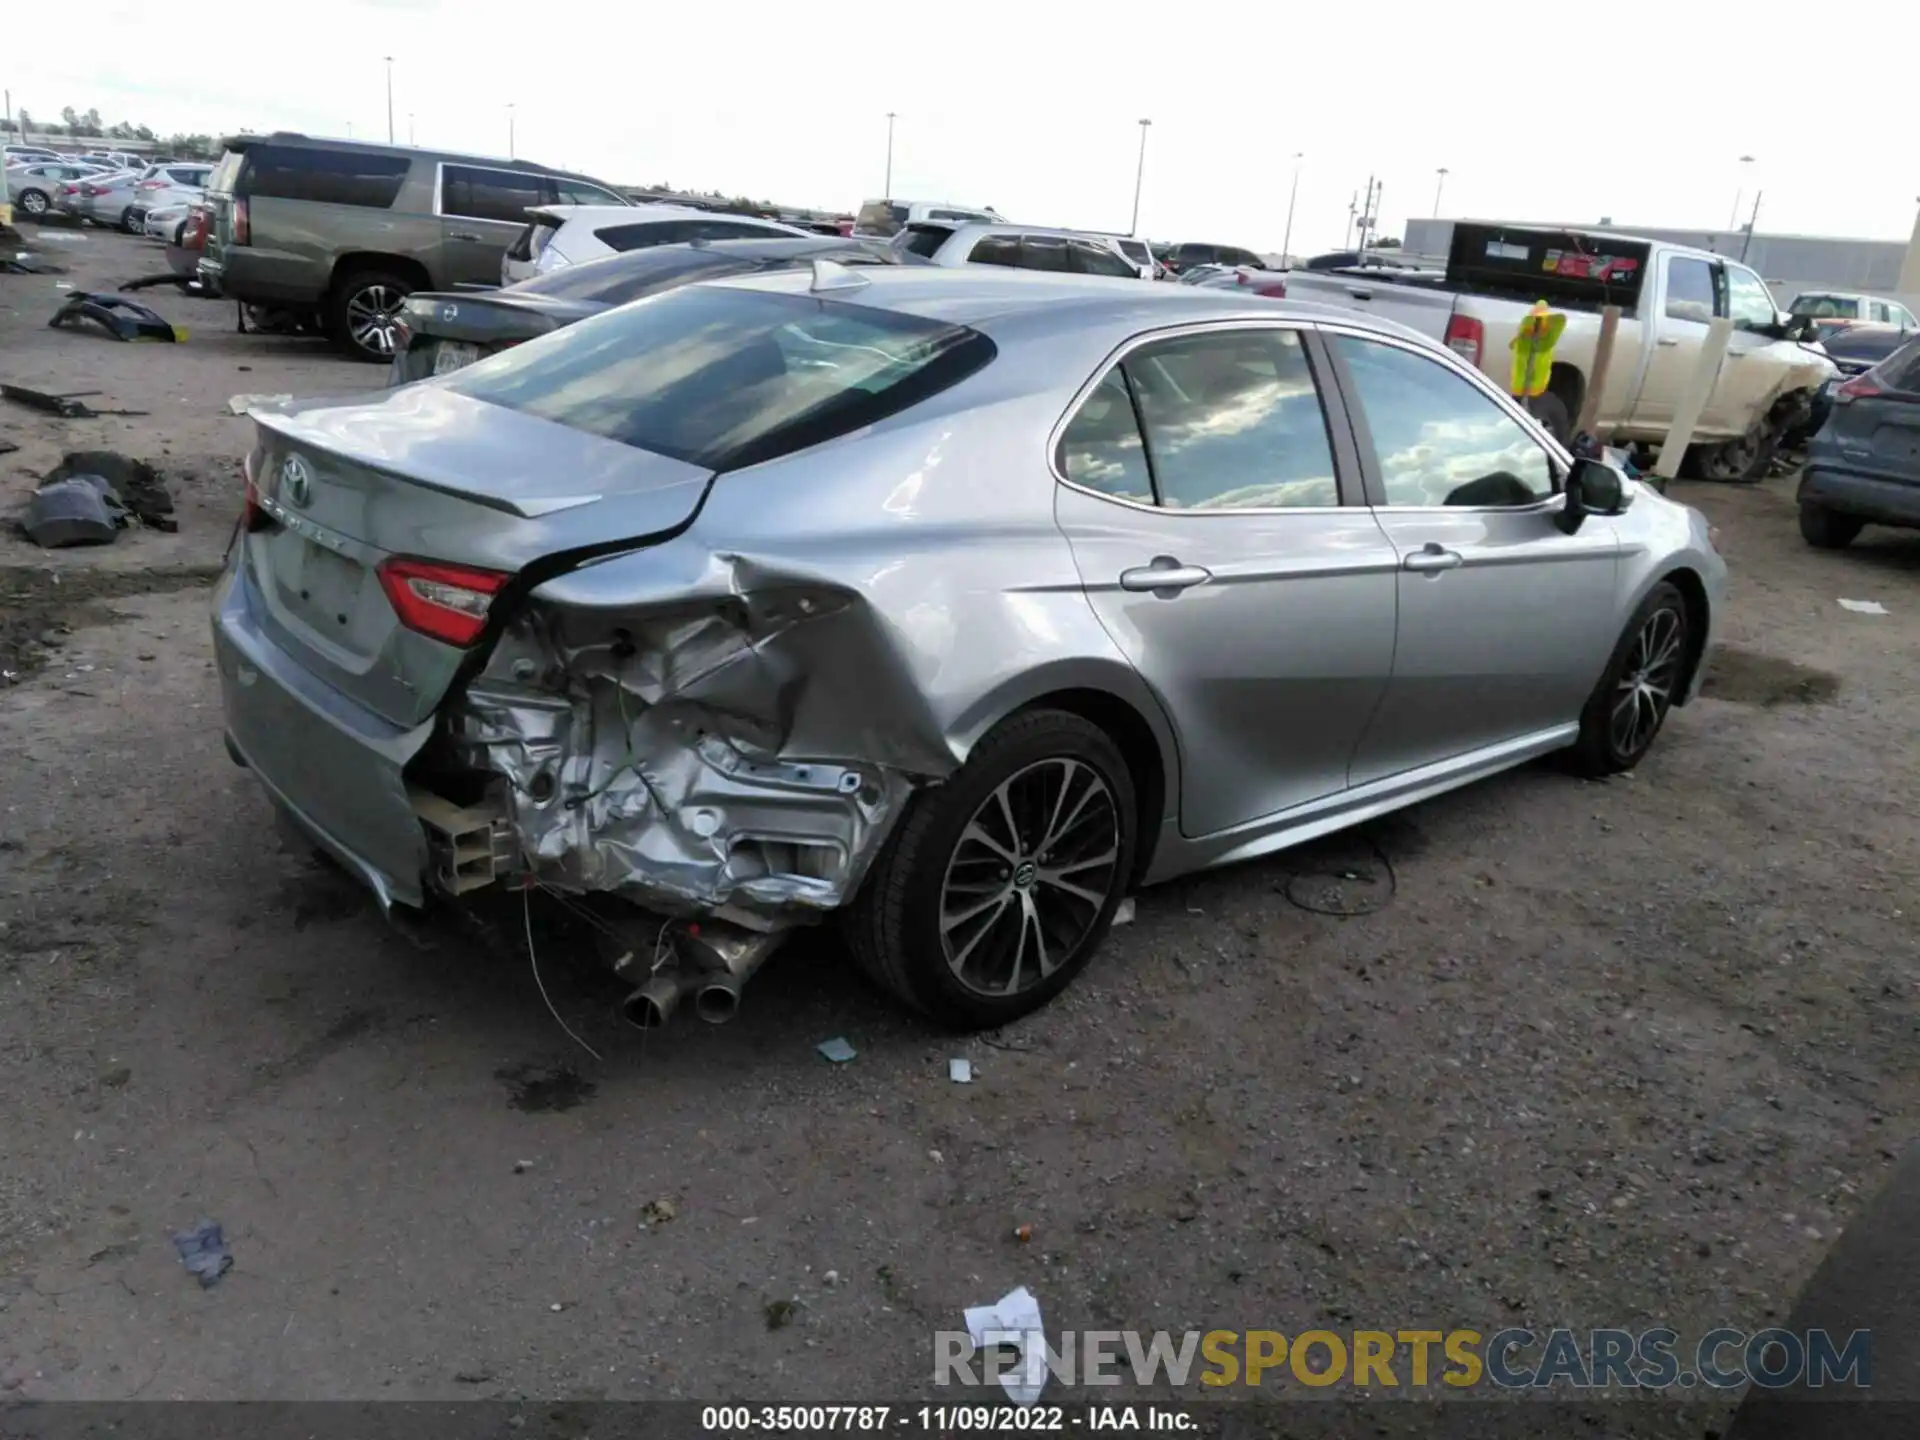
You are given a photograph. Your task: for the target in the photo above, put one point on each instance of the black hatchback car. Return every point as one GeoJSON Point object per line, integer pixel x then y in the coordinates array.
{"type": "Point", "coordinates": [1863, 468]}
{"type": "Point", "coordinates": [443, 332]}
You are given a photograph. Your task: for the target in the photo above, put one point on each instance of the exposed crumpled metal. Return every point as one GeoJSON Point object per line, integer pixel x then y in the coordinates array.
{"type": "Point", "coordinates": [691, 758]}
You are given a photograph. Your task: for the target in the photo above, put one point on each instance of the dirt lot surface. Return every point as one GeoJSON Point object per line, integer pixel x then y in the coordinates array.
{"type": "Point", "coordinates": [1599, 1054]}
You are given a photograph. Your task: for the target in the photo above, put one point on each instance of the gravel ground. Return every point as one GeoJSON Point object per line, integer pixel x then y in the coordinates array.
{"type": "Point", "coordinates": [1600, 1054]}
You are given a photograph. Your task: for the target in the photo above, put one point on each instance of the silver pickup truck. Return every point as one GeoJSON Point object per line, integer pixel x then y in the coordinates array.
{"type": "Point", "coordinates": [1667, 295]}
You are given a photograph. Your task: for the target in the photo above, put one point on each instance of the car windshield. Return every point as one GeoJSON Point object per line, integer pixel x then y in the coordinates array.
{"type": "Point", "coordinates": [722, 377]}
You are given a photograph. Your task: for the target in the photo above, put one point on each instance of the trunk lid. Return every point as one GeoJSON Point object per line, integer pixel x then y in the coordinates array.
{"type": "Point", "coordinates": [426, 473]}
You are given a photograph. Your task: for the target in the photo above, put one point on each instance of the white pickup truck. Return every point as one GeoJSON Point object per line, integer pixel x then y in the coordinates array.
{"type": "Point", "coordinates": [1667, 294]}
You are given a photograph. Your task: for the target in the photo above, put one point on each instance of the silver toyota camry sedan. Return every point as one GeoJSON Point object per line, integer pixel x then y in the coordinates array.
{"type": "Point", "coordinates": [953, 604]}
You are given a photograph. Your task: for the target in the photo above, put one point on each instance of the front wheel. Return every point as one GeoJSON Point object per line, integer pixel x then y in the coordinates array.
{"type": "Point", "coordinates": [1826, 529]}
{"type": "Point", "coordinates": [1630, 704]}
{"type": "Point", "coordinates": [997, 887]}
{"type": "Point", "coordinates": [35, 203]}
{"type": "Point", "coordinates": [132, 226]}
{"type": "Point", "coordinates": [364, 313]}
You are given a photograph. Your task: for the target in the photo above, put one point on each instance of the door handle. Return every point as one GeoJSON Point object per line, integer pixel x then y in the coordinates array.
{"type": "Point", "coordinates": [1165, 577]}
{"type": "Point", "coordinates": [1667, 342]}
{"type": "Point", "coordinates": [469, 235]}
{"type": "Point", "coordinates": [1361, 294]}
{"type": "Point", "coordinates": [1431, 558]}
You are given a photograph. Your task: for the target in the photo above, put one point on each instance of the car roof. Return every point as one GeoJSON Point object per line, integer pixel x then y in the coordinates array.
{"type": "Point", "coordinates": [373, 147]}
{"type": "Point", "coordinates": [979, 296]}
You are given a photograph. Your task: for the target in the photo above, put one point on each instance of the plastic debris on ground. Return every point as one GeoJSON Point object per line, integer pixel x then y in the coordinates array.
{"type": "Point", "coordinates": [960, 1070]}
{"type": "Point", "coordinates": [67, 407]}
{"type": "Point", "coordinates": [1014, 1319]}
{"type": "Point", "coordinates": [1123, 912]}
{"type": "Point", "coordinates": [80, 510]}
{"type": "Point", "coordinates": [120, 317]}
{"type": "Point", "coordinates": [1864, 607]}
{"type": "Point", "coordinates": [25, 262]}
{"type": "Point", "coordinates": [837, 1050]}
{"type": "Point", "coordinates": [658, 1212]}
{"type": "Point", "coordinates": [135, 483]}
{"type": "Point", "coordinates": [241, 404]}
{"type": "Point", "coordinates": [203, 1250]}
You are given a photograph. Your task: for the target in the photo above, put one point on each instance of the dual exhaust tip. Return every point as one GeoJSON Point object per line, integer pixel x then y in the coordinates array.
{"type": "Point", "coordinates": [710, 962]}
{"type": "Point", "coordinates": [716, 1000]}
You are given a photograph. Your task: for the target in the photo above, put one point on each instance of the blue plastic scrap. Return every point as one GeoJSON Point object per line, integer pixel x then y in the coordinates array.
{"type": "Point", "coordinates": [837, 1050]}
{"type": "Point", "coordinates": [203, 1250]}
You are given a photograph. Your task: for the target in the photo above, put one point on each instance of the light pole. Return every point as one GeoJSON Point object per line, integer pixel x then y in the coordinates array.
{"type": "Point", "coordinates": [1139, 174]}
{"type": "Point", "coordinates": [887, 189]}
{"type": "Point", "coordinates": [1442, 173]}
{"type": "Point", "coordinates": [389, 60]}
{"type": "Point", "coordinates": [1740, 192]}
{"type": "Point", "coordinates": [510, 130]}
{"type": "Point", "coordinates": [1286, 243]}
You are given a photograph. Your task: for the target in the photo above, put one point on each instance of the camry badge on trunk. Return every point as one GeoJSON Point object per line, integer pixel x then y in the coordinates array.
{"type": "Point", "coordinates": [296, 481]}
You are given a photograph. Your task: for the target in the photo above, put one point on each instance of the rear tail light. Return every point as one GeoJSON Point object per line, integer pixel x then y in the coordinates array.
{"type": "Point", "coordinates": [93, 189]}
{"type": "Point", "coordinates": [1466, 337]}
{"type": "Point", "coordinates": [447, 602]}
{"type": "Point", "coordinates": [253, 515]}
{"type": "Point", "coordinates": [151, 185]}
{"type": "Point", "coordinates": [1858, 388]}
{"type": "Point", "coordinates": [242, 226]}
{"type": "Point", "coordinates": [195, 234]}
{"type": "Point", "coordinates": [69, 189]}
{"type": "Point", "coordinates": [1274, 290]}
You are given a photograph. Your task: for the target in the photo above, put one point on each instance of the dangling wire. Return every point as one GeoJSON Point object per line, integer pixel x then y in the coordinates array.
{"type": "Point", "coordinates": [526, 911]}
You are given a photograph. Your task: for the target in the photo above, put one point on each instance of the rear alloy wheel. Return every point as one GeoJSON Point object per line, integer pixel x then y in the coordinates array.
{"type": "Point", "coordinates": [131, 225]}
{"type": "Point", "coordinates": [1826, 529]}
{"type": "Point", "coordinates": [35, 203]}
{"type": "Point", "coordinates": [365, 313]}
{"type": "Point", "coordinates": [997, 887]}
{"type": "Point", "coordinates": [1630, 704]}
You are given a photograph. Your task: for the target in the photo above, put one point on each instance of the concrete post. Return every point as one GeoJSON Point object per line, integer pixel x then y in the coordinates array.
{"type": "Point", "coordinates": [1589, 415]}
{"type": "Point", "coordinates": [1910, 266]}
{"type": "Point", "coordinates": [1694, 398]}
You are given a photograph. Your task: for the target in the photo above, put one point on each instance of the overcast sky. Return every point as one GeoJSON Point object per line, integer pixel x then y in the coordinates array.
{"type": "Point", "coordinates": [1639, 112]}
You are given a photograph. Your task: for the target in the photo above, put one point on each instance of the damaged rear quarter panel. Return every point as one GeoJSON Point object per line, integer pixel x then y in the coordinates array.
{"type": "Point", "coordinates": [734, 720]}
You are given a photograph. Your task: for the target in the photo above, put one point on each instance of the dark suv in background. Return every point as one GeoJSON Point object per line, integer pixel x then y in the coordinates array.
{"type": "Point", "coordinates": [342, 232]}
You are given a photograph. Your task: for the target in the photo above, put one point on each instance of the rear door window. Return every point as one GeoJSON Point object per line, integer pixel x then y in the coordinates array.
{"type": "Point", "coordinates": [1044, 252]}
{"type": "Point", "coordinates": [1690, 289]}
{"type": "Point", "coordinates": [473, 193]}
{"type": "Point", "coordinates": [325, 177]}
{"type": "Point", "coordinates": [1090, 257]}
{"type": "Point", "coordinates": [723, 378]}
{"type": "Point", "coordinates": [996, 250]}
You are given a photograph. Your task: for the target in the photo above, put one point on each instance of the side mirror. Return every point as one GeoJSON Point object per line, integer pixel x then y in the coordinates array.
{"type": "Point", "coordinates": [1593, 488]}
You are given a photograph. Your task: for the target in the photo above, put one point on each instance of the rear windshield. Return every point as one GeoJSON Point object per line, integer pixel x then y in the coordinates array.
{"type": "Point", "coordinates": [924, 239]}
{"type": "Point", "coordinates": [723, 378]}
{"type": "Point", "coordinates": [616, 279]}
{"type": "Point", "coordinates": [1827, 307]}
{"type": "Point", "coordinates": [880, 217]}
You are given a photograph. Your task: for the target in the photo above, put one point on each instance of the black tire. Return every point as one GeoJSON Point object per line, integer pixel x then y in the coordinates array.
{"type": "Point", "coordinates": [179, 234]}
{"type": "Point", "coordinates": [932, 862]}
{"type": "Point", "coordinates": [1554, 416]}
{"type": "Point", "coordinates": [1826, 529]}
{"type": "Point", "coordinates": [358, 299]}
{"type": "Point", "coordinates": [1605, 746]}
{"type": "Point", "coordinates": [131, 225]}
{"type": "Point", "coordinates": [35, 203]}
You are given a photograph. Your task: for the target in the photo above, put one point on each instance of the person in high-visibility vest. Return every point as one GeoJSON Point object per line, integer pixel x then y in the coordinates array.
{"type": "Point", "coordinates": [1532, 347]}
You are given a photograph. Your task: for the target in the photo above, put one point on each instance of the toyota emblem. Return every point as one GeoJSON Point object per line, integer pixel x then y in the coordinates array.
{"type": "Point", "coordinates": [296, 482]}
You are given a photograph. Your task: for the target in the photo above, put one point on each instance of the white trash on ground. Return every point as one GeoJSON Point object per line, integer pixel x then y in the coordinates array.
{"type": "Point", "coordinates": [1014, 1319]}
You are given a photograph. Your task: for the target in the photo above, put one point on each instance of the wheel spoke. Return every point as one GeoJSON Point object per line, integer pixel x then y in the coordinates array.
{"type": "Point", "coordinates": [1052, 878]}
{"type": "Point", "coordinates": [959, 961]}
{"type": "Point", "coordinates": [949, 921]}
{"type": "Point", "coordinates": [976, 833]}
